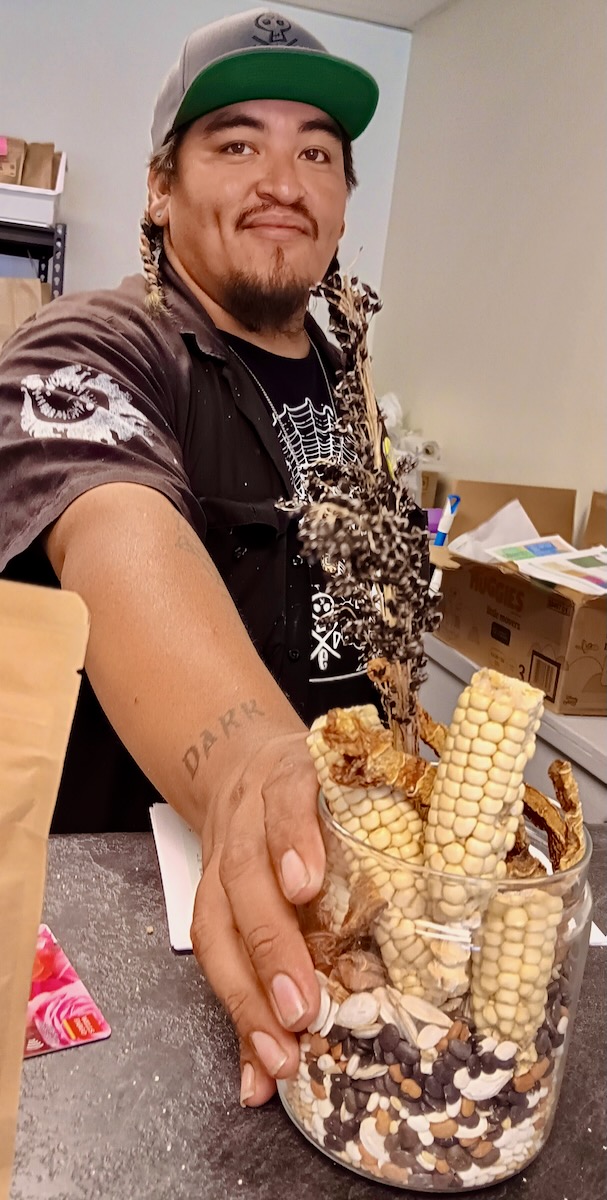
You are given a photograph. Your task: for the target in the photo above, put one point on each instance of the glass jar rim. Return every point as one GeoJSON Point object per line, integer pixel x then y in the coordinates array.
{"type": "Point", "coordinates": [423, 871]}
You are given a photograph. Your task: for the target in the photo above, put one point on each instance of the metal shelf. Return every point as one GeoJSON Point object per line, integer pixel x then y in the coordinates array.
{"type": "Point", "coordinates": [44, 243]}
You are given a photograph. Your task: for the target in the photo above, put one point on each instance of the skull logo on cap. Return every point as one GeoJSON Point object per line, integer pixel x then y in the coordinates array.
{"type": "Point", "coordinates": [276, 27]}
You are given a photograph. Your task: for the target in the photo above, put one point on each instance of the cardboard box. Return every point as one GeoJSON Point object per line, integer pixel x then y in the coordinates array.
{"type": "Point", "coordinates": [595, 529]}
{"type": "Point", "coordinates": [552, 510]}
{"type": "Point", "coordinates": [429, 487]}
{"type": "Point", "coordinates": [553, 637]}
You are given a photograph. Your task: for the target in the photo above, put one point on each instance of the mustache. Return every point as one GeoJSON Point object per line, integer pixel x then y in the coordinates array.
{"type": "Point", "coordinates": [297, 208]}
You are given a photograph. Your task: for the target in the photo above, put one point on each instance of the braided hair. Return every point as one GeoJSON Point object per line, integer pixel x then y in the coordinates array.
{"type": "Point", "coordinates": [151, 235]}
{"type": "Point", "coordinates": [150, 245]}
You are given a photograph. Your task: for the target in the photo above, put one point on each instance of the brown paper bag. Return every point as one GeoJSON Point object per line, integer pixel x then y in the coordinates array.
{"type": "Point", "coordinates": [19, 298]}
{"type": "Point", "coordinates": [11, 162]}
{"type": "Point", "coordinates": [43, 636]}
{"type": "Point", "coordinates": [55, 171]}
{"type": "Point", "coordinates": [38, 165]}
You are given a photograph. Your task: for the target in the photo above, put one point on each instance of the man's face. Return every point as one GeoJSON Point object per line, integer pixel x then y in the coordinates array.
{"type": "Point", "coordinates": [257, 204]}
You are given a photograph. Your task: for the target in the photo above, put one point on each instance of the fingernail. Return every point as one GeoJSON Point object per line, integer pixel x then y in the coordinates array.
{"type": "Point", "coordinates": [288, 999]}
{"type": "Point", "coordinates": [271, 1054]}
{"type": "Point", "coordinates": [247, 1084]}
{"type": "Point", "coordinates": [294, 874]}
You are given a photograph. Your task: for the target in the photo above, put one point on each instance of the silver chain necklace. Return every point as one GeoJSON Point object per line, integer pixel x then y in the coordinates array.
{"type": "Point", "coordinates": [278, 419]}
{"type": "Point", "coordinates": [272, 407]}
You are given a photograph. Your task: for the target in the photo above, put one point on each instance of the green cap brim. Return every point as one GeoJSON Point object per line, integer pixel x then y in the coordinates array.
{"type": "Point", "coordinates": [340, 88]}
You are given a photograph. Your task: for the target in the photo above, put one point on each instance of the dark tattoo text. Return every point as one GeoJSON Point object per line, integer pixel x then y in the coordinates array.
{"type": "Point", "coordinates": [227, 725]}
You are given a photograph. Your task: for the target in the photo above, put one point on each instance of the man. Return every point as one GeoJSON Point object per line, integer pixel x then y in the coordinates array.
{"type": "Point", "coordinates": [147, 434]}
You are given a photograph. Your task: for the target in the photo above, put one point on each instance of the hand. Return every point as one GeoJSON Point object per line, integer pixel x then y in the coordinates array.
{"type": "Point", "coordinates": [262, 853]}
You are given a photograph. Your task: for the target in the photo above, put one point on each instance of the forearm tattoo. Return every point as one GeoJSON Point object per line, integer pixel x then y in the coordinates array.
{"type": "Point", "coordinates": [226, 727]}
{"type": "Point", "coordinates": [189, 543]}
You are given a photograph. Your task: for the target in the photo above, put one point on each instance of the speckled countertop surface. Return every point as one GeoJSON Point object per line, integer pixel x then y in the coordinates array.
{"type": "Point", "coordinates": [153, 1113]}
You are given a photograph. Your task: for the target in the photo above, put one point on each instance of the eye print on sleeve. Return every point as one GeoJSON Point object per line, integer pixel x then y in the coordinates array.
{"type": "Point", "coordinates": [76, 403]}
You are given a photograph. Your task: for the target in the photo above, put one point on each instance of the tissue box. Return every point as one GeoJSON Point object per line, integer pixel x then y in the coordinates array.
{"type": "Point", "coordinates": [552, 637]}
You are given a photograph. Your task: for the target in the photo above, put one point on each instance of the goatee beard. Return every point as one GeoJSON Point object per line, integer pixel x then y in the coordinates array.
{"type": "Point", "coordinates": [273, 305]}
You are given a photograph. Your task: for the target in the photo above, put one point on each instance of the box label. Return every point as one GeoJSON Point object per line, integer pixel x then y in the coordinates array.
{"type": "Point", "coordinates": [544, 674]}
{"type": "Point", "coordinates": [499, 633]}
{"type": "Point", "coordinates": [528, 631]}
{"type": "Point", "coordinates": [498, 587]}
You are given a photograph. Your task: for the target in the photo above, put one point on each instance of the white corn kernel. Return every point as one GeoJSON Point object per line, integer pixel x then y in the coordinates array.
{"type": "Point", "coordinates": [492, 731]}
{"type": "Point", "coordinates": [492, 703]}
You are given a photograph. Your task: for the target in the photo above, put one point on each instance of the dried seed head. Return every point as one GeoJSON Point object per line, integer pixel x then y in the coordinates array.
{"type": "Point", "coordinates": [360, 519]}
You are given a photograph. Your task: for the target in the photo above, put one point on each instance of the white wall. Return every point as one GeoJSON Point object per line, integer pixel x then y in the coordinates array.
{"type": "Point", "coordinates": [494, 326]}
{"type": "Point", "coordinates": [85, 73]}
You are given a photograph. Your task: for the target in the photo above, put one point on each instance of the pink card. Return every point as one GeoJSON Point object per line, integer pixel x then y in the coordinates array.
{"type": "Point", "coordinates": [60, 1012]}
{"type": "Point", "coordinates": [3, 147]}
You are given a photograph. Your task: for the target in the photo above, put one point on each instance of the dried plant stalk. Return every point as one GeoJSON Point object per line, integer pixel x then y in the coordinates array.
{"type": "Point", "coordinates": [360, 519]}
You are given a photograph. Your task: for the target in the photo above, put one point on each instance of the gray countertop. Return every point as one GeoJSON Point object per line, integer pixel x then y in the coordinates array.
{"type": "Point", "coordinates": [153, 1113]}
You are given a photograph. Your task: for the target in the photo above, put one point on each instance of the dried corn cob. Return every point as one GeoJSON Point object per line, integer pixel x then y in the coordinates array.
{"type": "Point", "coordinates": [568, 795]}
{"type": "Point", "coordinates": [431, 732]}
{"type": "Point", "coordinates": [353, 744]}
{"type": "Point", "coordinates": [352, 747]}
{"type": "Point", "coordinates": [477, 798]}
{"type": "Point", "coordinates": [547, 817]}
{"type": "Point", "coordinates": [511, 973]}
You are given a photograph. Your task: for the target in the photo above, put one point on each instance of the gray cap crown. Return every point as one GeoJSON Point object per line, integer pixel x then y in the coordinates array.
{"type": "Point", "coordinates": [260, 54]}
{"type": "Point", "coordinates": [245, 31]}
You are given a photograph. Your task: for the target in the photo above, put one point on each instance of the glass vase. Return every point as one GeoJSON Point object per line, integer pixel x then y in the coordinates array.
{"type": "Point", "coordinates": [437, 1056]}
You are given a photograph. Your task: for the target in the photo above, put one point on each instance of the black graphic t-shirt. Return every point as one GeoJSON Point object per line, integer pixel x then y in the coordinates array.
{"type": "Point", "coordinates": [300, 400]}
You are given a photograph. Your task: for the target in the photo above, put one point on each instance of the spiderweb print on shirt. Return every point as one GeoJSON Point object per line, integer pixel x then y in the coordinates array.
{"type": "Point", "coordinates": [307, 435]}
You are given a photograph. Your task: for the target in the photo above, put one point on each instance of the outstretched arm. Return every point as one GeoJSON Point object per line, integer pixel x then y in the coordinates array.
{"type": "Point", "coordinates": [182, 684]}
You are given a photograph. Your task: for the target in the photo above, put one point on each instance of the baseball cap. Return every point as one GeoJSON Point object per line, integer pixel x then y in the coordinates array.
{"type": "Point", "coordinates": [261, 55]}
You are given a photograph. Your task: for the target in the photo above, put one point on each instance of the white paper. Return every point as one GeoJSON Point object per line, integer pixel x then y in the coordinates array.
{"type": "Point", "coordinates": [510, 524]}
{"type": "Point", "coordinates": [570, 570]}
{"type": "Point", "coordinates": [534, 549]}
{"type": "Point", "coordinates": [180, 860]}
{"type": "Point", "coordinates": [596, 937]}
{"type": "Point", "coordinates": [545, 574]}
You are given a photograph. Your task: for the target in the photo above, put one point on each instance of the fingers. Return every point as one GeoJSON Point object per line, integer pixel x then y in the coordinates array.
{"type": "Point", "coordinates": [267, 923]}
{"type": "Point", "coordinates": [293, 836]}
{"type": "Point", "coordinates": [256, 1086]}
{"type": "Point", "coordinates": [220, 951]}
{"type": "Point", "coordinates": [262, 844]}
